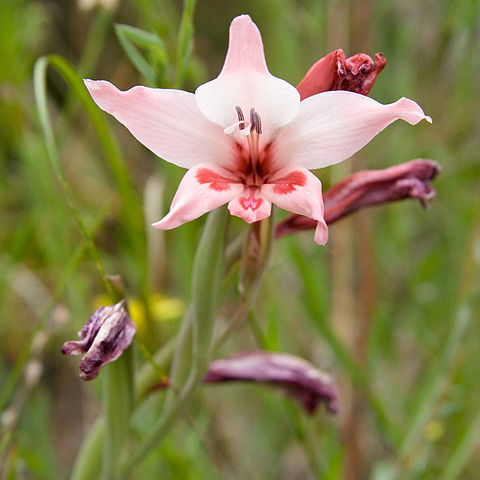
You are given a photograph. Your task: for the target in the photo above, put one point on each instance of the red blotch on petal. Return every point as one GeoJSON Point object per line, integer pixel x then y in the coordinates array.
{"type": "Point", "coordinates": [217, 182]}
{"type": "Point", "coordinates": [288, 184]}
{"type": "Point", "coordinates": [251, 202]}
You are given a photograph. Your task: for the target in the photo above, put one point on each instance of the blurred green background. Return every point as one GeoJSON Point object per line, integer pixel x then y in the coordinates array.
{"type": "Point", "coordinates": [389, 307]}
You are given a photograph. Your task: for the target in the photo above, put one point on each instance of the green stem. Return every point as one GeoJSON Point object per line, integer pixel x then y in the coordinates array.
{"type": "Point", "coordinates": [90, 455]}
{"type": "Point", "coordinates": [207, 270]}
{"type": "Point", "coordinates": [182, 360]}
{"type": "Point", "coordinates": [88, 461]}
{"type": "Point", "coordinates": [117, 407]}
{"type": "Point", "coordinates": [150, 373]}
{"type": "Point", "coordinates": [251, 285]}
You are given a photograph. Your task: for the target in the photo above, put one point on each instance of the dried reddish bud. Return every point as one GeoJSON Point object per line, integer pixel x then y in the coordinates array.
{"type": "Point", "coordinates": [299, 378]}
{"type": "Point", "coordinates": [335, 72]}
{"type": "Point", "coordinates": [108, 332]}
{"type": "Point", "coordinates": [370, 187]}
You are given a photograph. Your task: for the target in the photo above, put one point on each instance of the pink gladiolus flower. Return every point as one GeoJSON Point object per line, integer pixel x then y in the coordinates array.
{"type": "Point", "coordinates": [246, 137]}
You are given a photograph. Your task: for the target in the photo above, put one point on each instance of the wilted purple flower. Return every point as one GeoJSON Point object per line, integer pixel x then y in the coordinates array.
{"type": "Point", "coordinates": [335, 72]}
{"type": "Point", "coordinates": [299, 378]}
{"type": "Point", "coordinates": [370, 187]}
{"type": "Point", "coordinates": [108, 332]}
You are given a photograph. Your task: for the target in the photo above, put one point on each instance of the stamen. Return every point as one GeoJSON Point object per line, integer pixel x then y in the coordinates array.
{"type": "Point", "coordinates": [241, 118]}
{"type": "Point", "coordinates": [255, 121]}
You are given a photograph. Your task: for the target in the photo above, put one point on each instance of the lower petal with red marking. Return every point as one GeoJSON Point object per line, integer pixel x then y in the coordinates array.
{"type": "Point", "coordinates": [299, 191]}
{"type": "Point", "coordinates": [203, 188]}
{"type": "Point", "coordinates": [251, 205]}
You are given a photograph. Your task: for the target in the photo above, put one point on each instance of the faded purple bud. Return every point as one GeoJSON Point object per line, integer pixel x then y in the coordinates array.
{"type": "Point", "coordinates": [335, 72]}
{"type": "Point", "coordinates": [299, 378]}
{"type": "Point", "coordinates": [370, 187]}
{"type": "Point", "coordinates": [108, 332]}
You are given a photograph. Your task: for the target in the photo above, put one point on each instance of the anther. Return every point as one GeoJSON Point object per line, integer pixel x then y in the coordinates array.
{"type": "Point", "coordinates": [241, 118]}
{"type": "Point", "coordinates": [255, 121]}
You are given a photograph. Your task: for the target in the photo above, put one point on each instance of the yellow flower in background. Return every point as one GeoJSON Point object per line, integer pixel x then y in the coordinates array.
{"type": "Point", "coordinates": [162, 309]}
{"type": "Point", "coordinates": [137, 313]}
{"type": "Point", "coordinates": [434, 430]}
{"type": "Point", "coordinates": [166, 308]}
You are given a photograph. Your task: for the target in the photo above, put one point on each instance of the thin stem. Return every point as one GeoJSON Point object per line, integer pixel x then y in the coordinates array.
{"type": "Point", "coordinates": [89, 458]}
{"type": "Point", "coordinates": [206, 283]}
{"type": "Point", "coordinates": [117, 407]}
{"type": "Point", "coordinates": [267, 238]}
{"type": "Point", "coordinates": [90, 455]}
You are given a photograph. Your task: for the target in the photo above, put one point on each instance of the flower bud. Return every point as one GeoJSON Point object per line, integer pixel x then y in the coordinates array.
{"type": "Point", "coordinates": [335, 72]}
{"type": "Point", "coordinates": [370, 187]}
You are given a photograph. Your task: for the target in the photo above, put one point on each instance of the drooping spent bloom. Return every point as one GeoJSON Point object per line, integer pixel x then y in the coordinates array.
{"type": "Point", "coordinates": [246, 137]}
{"type": "Point", "coordinates": [108, 332]}
{"type": "Point", "coordinates": [335, 72]}
{"type": "Point", "coordinates": [370, 187]}
{"type": "Point", "coordinates": [297, 377]}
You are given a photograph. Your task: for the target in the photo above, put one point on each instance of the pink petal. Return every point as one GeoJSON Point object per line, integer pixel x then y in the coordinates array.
{"type": "Point", "coordinates": [245, 47]}
{"type": "Point", "coordinates": [321, 233]}
{"type": "Point", "coordinates": [299, 191]}
{"type": "Point", "coordinates": [203, 188]}
{"type": "Point", "coordinates": [332, 126]}
{"type": "Point", "coordinates": [168, 122]}
{"type": "Point", "coordinates": [250, 205]}
{"type": "Point", "coordinates": [246, 82]}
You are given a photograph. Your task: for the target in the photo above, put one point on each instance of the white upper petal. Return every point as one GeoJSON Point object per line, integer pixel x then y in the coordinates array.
{"type": "Point", "coordinates": [168, 122]}
{"type": "Point", "coordinates": [332, 126]}
{"type": "Point", "coordinates": [246, 82]}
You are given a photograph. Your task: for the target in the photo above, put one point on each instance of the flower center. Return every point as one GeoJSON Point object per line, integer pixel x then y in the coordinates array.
{"type": "Point", "coordinates": [250, 165]}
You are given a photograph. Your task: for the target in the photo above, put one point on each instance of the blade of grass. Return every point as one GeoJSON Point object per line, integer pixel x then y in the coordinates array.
{"type": "Point", "coordinates": [435, 384]}
{"type": "Point", "coordinates": [464, 450]}
{"type": "Point", "coordinates": [41, 99]}
{"type": "Point", "coordinates": [131, 207]}
{"type": "Point", "coordinates": [342, 354]}
{"type": "Point", "coordinates": [99, 28]}
{"type": "Point", "coordinates": [129, 37]}
{"type": "Point", "coordinates": [9, 386]}
{"type": "Point", "coordinates": [185, 37]}
{"type": "Point", "coordinates": [440, 375]}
